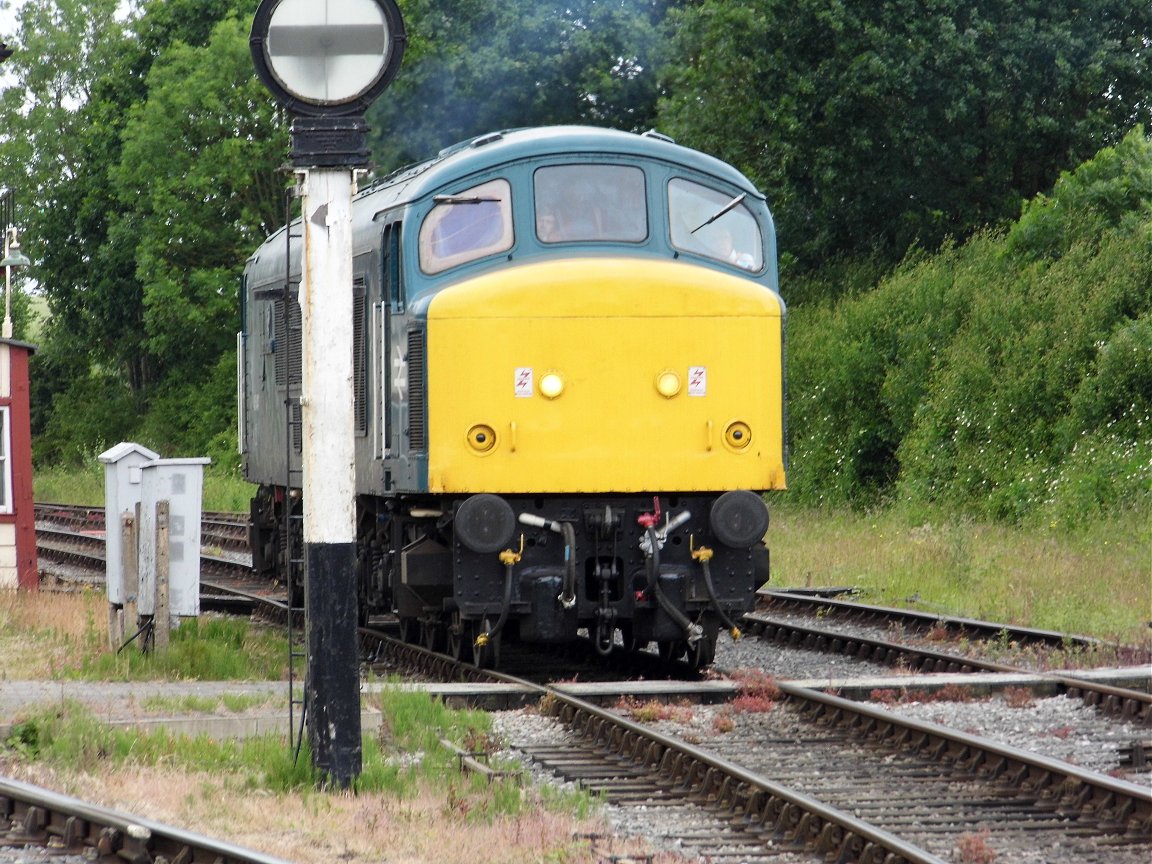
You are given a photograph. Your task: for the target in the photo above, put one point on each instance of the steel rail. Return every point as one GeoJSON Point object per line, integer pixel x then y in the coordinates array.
{"type": "Point", "coordinates": [761, 804]}
{"type": "Point", "coordinates": [1127, 704]}
{"type": "Point", "coordinates": [1098, 797]}
{"type": "Point", "coordinates": [41, 817]}
{"type": "Point", "coordinates": [928, 620]}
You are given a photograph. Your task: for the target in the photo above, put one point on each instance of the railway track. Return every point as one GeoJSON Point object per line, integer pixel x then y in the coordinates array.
{"type": "Point", "coordinates": [65, 826]}
{"type": "Point", "coordinates": [818, 777]}
{"type": "Point", "coordinates": [913, 656]}
{"type": "Point", "coordinates": [228, 585]}
{"type": "Point", "coordinates": [70, 546]}
{"type": "Point", "coordinates": [820, 773]}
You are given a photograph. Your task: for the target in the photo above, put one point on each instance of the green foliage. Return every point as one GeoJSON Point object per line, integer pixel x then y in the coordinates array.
{"type": "Point", "coordinates": [874, 127]}
{"type": "Point", "coordinates": [1114, 189]}
{"type": "Point", "coordinates": [196, 416]}
{"type": "Point", "coordinates": [476, 67]}
{"type": "Point", "coordinates": [68, 734]}
{"type": "Point", "coordinates": [94, 412]}
{"type": "Point", "coordinates": [201, 649]}
{"type": "Point", "coordinates": [988, 379]}
{"type": "Point", "coordinates": [165, 180]}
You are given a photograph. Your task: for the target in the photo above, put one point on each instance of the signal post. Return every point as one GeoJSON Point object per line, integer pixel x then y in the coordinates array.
{"type": "Point", "coordinates": [326, 61]}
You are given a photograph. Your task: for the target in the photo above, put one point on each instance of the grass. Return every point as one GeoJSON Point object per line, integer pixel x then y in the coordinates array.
{"type": "Point", "coordinates": [411, 797]}
{"type": "Point", "coordinates": [50, 635]}
{"type": "Point", "coordinates": [1096, 581]}
{"type": "Point", "coordinates": [68, 734]}
{"type": "Point", "coordinates": [201, 649]}
{"type": "Point", "coordinates": [224, 490]}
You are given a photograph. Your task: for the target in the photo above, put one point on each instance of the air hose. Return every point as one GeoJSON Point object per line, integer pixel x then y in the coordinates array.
{"type": "Point", "coordinates": [509, 558]}
{"type": "Point", "coordinates": [491, 633]}
{"type": "Point", "coordinates": [692, 632]}
{"type": "Point", "coordinates": [568, 595]}
{"type": "Point", "coordinates": [704, 555]}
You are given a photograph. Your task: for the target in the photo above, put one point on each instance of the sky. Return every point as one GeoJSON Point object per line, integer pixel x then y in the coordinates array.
{"type": "Point", "coordinates": [8, 18]}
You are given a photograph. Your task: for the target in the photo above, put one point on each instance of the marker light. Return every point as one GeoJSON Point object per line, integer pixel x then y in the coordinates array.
{"type": "Point", "coordinates": [481, 438]}
{"type": "Point", "coordinates": [668, 383]}
{"type": "Point", "coordinates": [551, 385]}
{"type": "Point", "coordinates": [738, 435]}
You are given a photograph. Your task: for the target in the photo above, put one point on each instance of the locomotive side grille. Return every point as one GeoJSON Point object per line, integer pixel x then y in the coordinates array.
{"type": "Point", "coordinates": [296, 422]}
{"type": "Point", "coordinates": [360, 357]}
{"type": "Point", "coordinates": [417, 413]}
{"type": "Point", "coordinates": [287, 337]}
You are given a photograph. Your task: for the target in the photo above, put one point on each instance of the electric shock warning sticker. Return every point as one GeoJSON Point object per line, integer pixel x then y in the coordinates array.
{"type": "Point", "coordinates": [523, 382]}
{"type": "Point", "coordinates": [697, 380]}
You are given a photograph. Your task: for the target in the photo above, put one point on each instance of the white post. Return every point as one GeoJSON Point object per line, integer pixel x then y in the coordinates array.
{"type": "Point", "coordinates": [329, 464]}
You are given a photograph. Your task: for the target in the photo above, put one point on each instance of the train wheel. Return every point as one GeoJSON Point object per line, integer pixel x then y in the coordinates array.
{"type": "Point", "coordinates": [460, 639]}
{"type": "Point", "coordinates": [703, 652]}
{"type": "Point", "coordinates": [409, 630]}
{"type": "Point", "coordinates": [431, 635]}
{"type": "Point", "coordinates": [671, 649]}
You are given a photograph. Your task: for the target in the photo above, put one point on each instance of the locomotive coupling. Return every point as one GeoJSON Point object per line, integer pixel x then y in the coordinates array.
{"type": "Point", "coordinates": [661, 534]}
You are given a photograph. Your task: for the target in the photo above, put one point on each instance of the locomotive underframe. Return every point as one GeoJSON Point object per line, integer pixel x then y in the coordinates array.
{"type": "Point", "coordinates": [545, 585]}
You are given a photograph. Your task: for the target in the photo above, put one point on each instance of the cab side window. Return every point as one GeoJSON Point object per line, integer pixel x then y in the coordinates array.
{"type": "Point", "coordinates": [467, 225]}
{"type": "Point", "coordinates": [714, 224]}
{"type": "Point", "coordinates": [590, 203]}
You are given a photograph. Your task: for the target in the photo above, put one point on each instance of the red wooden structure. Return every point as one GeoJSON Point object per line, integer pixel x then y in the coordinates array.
{"type": "Point", "coordinates": [18, 566]}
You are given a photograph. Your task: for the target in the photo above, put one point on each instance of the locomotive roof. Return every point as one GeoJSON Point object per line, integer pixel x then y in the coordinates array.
{"type": "Point", "coordinates": [514, 145]}
{"type": "Point", "coordinates": [486, 153]}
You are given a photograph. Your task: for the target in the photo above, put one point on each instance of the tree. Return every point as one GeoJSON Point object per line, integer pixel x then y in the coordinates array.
{"type": "Point", "coordinates": [878, 126]}
{"type": "Point", "coordinates": [149, 172]}
{"type": "Point", "coordinates": [198, 176]}
{"type": "Point", "coordinates": [473, 67]}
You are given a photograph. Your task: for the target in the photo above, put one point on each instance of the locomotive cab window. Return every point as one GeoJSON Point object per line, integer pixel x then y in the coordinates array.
{"type": "Point", "coordinates": [467, 225]}
{"type": "Point", "coordinates": [714, 224]}
{"type": "Point", "coordinates": [590, 203]}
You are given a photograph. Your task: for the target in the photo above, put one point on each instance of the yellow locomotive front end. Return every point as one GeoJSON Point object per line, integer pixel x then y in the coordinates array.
{"type": "Point", "coordinates": [605, 375]}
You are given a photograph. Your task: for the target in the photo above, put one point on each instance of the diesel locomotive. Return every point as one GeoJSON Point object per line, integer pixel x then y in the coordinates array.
{"type": "Point", "coordinates": [569, 380]}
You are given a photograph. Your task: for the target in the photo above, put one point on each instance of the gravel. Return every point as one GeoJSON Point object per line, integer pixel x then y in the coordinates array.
{"type": "Point", "coordinates": [1057, 727]}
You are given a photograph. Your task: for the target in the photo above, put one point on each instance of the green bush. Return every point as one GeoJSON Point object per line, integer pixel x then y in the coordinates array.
{"type": "Point", "coordinates": [94, 413]}
{"type": "Point", "coordinates": [1010, 377]}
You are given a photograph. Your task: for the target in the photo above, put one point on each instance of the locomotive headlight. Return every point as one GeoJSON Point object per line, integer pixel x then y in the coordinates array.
{"type": "Point", "coordinates": [738, 435]}
{"type": "Point", "coordinates": [668, 383]}
{"type": "Point", "coordinates": [481, 438]}
{"type": "Point", "coordinates": [551, 385]}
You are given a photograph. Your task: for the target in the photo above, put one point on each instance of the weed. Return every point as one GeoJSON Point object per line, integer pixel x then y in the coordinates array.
{"type": "Point", "coordinates": [654, 710]}
{"type": "Point", "coordinates": [1018, 697]}
{"type": "Point", "coordinates": [723, 723]}
{"type": "Point", "coordinates": [758, 694]}
{"type": "Point", "coordinates": [938, 632]}
{"type": "Point", "coordinates": [974, 849]}
{"type": "Point", "coordinates": [754, 682]}
{"type": "Point", "coordinates": [952, 693]}
{"type": "Point", "coordinates": [748, 703]}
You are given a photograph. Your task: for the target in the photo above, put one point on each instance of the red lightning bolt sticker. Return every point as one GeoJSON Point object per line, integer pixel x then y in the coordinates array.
{"type": "Point", "coordinates": [523, 382]}
{"type": "Point", "coordinates": [697, 380]}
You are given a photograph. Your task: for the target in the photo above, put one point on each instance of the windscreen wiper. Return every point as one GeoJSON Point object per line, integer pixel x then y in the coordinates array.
{"type": "Point", "coordinates": [731, 205]}
{"type": "Point", "coordinates": [462, 199]}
